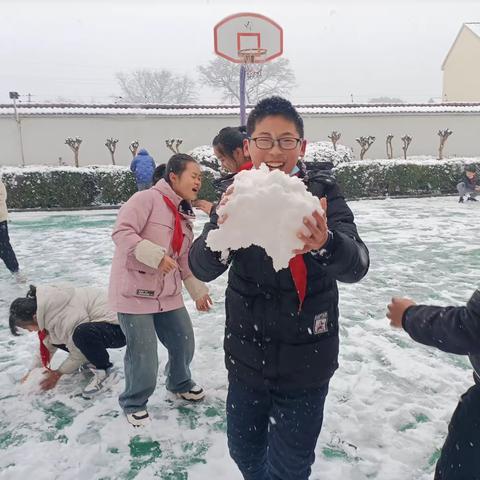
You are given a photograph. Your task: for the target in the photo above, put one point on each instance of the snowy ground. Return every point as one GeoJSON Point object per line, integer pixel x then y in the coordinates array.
{"type": "Point", "coordinates": [389, 402]}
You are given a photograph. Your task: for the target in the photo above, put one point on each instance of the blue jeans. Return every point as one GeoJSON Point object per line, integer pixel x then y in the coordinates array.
{"type": "Point", "coordinates": [272, 434]}
{"type": "Point", "coordinates": [174, 330]}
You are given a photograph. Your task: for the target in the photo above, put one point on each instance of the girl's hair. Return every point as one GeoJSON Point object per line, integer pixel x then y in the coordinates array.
{"type": "Point", "coordinates": [22, 310]}
{"type": "Point", "coordinates": [229, 139]}
{"type": "Point", "coordinates": [176, 164]}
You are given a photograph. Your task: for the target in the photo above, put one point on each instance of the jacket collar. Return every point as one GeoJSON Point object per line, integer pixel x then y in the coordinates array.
{"type": "Point", "coordinates": [184, 207]}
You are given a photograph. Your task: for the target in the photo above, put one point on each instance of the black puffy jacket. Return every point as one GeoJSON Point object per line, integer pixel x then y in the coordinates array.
{"type": "Point", "coordinates": [451, 329]}
{"type": "Point", "coordinates": [267, 341]}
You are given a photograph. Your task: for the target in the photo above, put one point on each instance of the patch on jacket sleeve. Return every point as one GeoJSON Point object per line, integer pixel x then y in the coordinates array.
{"type": "Point", "coordinates": [145, 293]}
{"type": "Point", "coordinates": [320, 323]}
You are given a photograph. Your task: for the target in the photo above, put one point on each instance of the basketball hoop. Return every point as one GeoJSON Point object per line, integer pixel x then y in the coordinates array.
{"type": "Point", "coordinates": [252, 59]}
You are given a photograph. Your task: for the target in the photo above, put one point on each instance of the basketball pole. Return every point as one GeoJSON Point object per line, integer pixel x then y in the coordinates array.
{"type": "Point", "coordinates": [243, 113]}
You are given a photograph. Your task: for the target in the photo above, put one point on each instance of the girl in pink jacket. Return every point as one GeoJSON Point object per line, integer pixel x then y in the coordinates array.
{"type": "Point", "coordinates": [152, 237]}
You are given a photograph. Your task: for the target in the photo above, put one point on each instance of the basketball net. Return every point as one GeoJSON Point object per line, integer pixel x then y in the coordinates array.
{"type": "Point", "coordinates": [252, 61]}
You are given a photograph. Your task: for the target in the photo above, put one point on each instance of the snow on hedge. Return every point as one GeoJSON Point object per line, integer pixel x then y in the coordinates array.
{"type": "Point", "coordinates": [324, 152]}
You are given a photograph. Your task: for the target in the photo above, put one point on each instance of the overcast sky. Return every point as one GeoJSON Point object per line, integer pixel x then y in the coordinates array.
{"type": "Point", "coordinates": [71, 50]}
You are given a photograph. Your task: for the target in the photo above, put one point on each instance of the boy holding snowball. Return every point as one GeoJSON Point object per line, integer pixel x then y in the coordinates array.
{"type": "Point", "coordinates": [281, 335]}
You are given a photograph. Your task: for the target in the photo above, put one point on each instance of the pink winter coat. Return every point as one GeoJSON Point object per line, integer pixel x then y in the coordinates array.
{"type": "Point", "coordinates": [142, 235]}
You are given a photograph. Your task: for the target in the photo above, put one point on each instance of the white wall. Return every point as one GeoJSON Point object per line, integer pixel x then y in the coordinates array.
{"type": "Point", "coordinates": [44, 137]}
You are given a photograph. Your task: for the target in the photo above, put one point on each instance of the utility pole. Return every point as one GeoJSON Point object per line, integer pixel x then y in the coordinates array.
{"type": "Point", "coordinates": [14, 96]}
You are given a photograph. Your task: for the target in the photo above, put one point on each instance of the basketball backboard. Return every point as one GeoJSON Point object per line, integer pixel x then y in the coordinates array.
{"type": "Point", "coordinates": [246, 31]}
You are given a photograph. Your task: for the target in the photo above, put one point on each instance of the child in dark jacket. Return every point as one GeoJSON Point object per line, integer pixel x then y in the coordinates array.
{"type": "Point", "coordinates": [281, 333]}
{"type": "Point", "coordinates": [468, 188]}
{"type": "Point", "coordinates": [453, 330]}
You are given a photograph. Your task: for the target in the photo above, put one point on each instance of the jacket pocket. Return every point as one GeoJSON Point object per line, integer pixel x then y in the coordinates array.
{"type": "Point", "coordinates": [172, 284]}
{"type": "Point", "coordinates": [141, 280]}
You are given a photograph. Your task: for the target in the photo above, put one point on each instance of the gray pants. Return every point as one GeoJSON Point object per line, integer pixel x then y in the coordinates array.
{"type": "Point", "coordinates": [143, 186]}
{"type": "Point", "coordinates": [174, 330]}
{"type": "Point", "coordinates": [463, 190]}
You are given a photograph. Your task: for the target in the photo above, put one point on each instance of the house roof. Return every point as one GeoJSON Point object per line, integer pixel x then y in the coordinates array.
{"type": "Point", "coordinates": [35, 109]}
{"type": "Point", "coordinates": [473, 26]}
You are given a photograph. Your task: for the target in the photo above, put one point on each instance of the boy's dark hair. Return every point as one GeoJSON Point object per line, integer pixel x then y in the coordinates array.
{"type": "Point", "coordinates": [274, 106]}
{"type": "Point", "coordinates": [176, 164]}
{"type": "Point", "coordinates": [22, 311]}
{"type": "Point", "coordinates": [229, 139]}
{"type": "Point", "coordinates": [471, 168]}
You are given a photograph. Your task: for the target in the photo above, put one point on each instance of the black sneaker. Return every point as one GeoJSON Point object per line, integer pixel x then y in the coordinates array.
{"type": "Point", "coordinates": [472, 199]}
{"type": "Point", "coordinates": [461, 200]}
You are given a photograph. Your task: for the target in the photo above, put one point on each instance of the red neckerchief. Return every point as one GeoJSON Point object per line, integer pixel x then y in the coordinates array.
{"type": "Point", "coordinates": [177, 239]}
{"type": "Point", "coordinates": [245, 166]}
{"type": "Point", "coordinates": [297, 266]}
{"type": "Point", "coordinates": [44, 352]}
{"type": "Point", "coordinates": [298, 269]}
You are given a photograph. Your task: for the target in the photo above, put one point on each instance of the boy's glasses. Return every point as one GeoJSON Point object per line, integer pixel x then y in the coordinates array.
{"type": "Point", "coordinates": [267, 143]}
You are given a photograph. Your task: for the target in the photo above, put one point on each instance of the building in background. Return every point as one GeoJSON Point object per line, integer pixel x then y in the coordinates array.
{"type": "Point", "coordinates": [461, 67]}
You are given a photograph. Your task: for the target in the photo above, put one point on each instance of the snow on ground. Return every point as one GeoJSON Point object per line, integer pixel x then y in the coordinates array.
{"type": "Point", "coordinates": [389, 403]}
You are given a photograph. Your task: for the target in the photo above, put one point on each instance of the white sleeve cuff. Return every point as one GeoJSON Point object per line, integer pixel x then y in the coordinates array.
{"type": "Point", "coordinates": [149, 253]}
{"type": "Point", "coordinates": [195, 287]}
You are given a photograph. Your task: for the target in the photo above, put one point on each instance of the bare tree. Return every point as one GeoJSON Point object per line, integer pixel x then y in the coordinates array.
{"type": "Point", "coordinates": [177, 141]}
{"type": "Point", "coordinates": [133, 147]}
{"type": "Point", "coordinates": [443, 134]}
{"type": "Point", "coordinates": [277, 78]}
{"type": "Point", "coordinates": [111, 144]}
{"type": "Point", "coordinates": [407, 140]}
{"type": "Point", "coordinates": [334, 137]}
{"type": "Point", "coordinates": [74, 144]}
{"type": "Point", "coordinates": [156, 86]}
{"type": "Point", "coordinates": [389, 146]}
{"type": "Point", "coordinates": [365, 143]}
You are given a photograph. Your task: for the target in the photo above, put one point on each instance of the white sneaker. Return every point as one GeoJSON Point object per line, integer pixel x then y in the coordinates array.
{"type": "Point", "coordinates": [194, 395]}
{"type": "Point", "coordinates": [102, 380]}
{"type": "Point", "coordinates": [138, 419]}
{"type": "Point", "coordinates": [19, 277]}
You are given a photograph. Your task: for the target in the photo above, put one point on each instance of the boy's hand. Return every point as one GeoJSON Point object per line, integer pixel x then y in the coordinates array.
{"type": "Point", "coordinates": [203, 304]}
{"type": "Point", "coordinates": [167, 264]}
{"type": "Point", "coordinates": [203, 205]}
{"type": "Point", "coordinates": [50, 380]}
{"type": "Point", "coordinates": [396, 309]}
{"type": "Point", "coordinates": [318, 231]}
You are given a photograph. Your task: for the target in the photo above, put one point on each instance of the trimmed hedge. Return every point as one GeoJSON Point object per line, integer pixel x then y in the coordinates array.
{"type": "Point", "coordinates": [69, 187]}
{"type": "Point", "coordinates": [380, 178]}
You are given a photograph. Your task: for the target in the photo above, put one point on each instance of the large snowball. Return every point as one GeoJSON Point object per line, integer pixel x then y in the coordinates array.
{"type": "Point", "coordinates": [266, 209]}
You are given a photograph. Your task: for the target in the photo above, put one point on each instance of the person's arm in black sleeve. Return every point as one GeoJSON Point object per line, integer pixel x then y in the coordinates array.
{"type": "Point", "coordinates": [451, 329]}
{"type": "Point", "coordinates": [344, 257]}
{"type": "Point", "coordinates": [205, 264]}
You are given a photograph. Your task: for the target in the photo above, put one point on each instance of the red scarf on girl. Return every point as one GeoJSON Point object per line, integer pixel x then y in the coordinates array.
{"type": "Point", "coordinates": [44, 352]}
{"type": "Point", "coordinates": [177, 239]}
